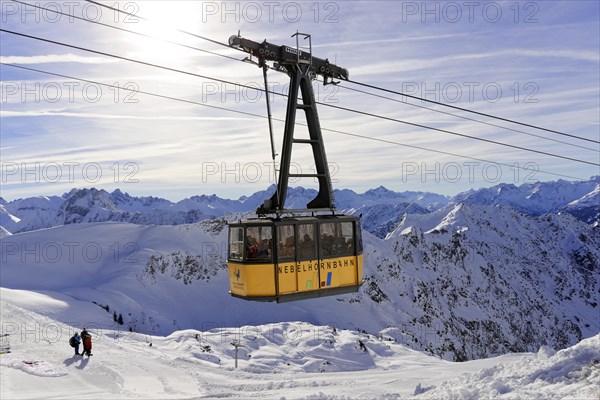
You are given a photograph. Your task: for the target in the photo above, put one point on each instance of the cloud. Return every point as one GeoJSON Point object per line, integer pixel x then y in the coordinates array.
{"type": "Point", "coordinates": [578, 55]}
{"type": "Point", "coordinates": [7, 114]}
{"type": "Point", "coordinates": [423, 63]}
{"type": "Point", "coordinates": [55, 58]}
{"type": "Point", "coordinates": [547, 73]}
{"type": "Point", "coordinates": [389, 40]}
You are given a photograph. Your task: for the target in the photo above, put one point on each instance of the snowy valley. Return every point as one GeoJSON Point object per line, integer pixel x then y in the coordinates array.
{"type": "Point", "coordinates": [277, 361]}
{"type": "Point", "coordinates": [500, 278]}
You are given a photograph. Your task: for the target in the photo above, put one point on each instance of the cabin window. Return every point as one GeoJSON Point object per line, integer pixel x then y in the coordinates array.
{"type": "Point", "coordinates": [336, 239]}
{"type": "Point", "coordinates": [327, 240]}
{"type": "Point", "coordinates": [236, 243]}
{"type": "Point", "coordinates": [259, 242]}
{"type": "Point", "coordinates": [286, 242]}
{"type": "Point", "coordinates": [346, 239]}
{"type": "Point", "coordinates": [306, 242]}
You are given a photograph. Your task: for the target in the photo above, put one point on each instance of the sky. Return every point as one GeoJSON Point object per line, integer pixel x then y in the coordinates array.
{"type": "Point", "coordinates": [536, 62]}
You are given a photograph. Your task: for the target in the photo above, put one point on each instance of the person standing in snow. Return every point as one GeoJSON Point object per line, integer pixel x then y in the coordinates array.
{"type": "Point", "coordinates": [75, 341]}
{"type": "Point", "coordinates": [87, 342]}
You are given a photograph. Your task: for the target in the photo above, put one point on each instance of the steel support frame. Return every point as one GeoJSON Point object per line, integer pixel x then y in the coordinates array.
{"type": "Point", "coordinates": [301, 84]}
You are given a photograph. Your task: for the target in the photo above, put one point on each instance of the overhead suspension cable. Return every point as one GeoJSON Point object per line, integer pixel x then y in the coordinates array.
{"type": "Point", "coordinates": [458, 134]}
{"type": "Point", "coordinates": [127, 30]}
{"type": "Point", "coordinates": [368, 93]}
{"type": "Point", "coordinates": [514, 166]}
{"type": "Point", "coordinates": [465, 118]}
{"type": "Point", "coordinates": [149, 64]}
{"type": "Point", "coordinates": [379, 88]}
{"type": "Point", "coordinates": [134, 90]}
{"type": "Point", "coordinates": [471, 111]}
{"type": "Point", "coordinates": [281, 94]}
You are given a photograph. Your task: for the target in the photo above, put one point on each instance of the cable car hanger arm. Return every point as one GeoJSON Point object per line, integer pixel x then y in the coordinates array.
{"type": "Point", "coordinates": [287, 55]}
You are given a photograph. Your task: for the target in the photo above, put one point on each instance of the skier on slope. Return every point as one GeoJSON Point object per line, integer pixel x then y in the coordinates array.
{"type": "Point", "coordinates": [75, 341]}
{"type": "Point", "coordinates": [87, 342]}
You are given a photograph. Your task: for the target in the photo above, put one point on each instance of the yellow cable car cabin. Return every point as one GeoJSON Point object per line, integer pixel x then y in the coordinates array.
{"type": "Point", "coordinates": [286, 259]}
{"type": "Point", "coordinates": [293, 258]}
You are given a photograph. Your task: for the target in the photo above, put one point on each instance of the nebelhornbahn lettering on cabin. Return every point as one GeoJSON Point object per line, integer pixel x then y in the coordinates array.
{"type": "Point", "coordinates": [314, 266]}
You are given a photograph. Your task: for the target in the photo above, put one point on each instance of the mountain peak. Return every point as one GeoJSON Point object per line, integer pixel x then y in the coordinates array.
{"type": "Point", "coordinates": [380, 191]}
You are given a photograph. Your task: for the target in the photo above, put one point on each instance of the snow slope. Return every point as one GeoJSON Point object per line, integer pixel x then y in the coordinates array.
{"type": "Point", "coordinates": [160, 278]}
{"type": "Point", "coordinates": [468, 287]}
{"type": "Point", "coordinates": [496, 279]}
{"type": "Point", "coordinates": [286, 360]}
{"type": "Point", "coordinates": [461, 281]}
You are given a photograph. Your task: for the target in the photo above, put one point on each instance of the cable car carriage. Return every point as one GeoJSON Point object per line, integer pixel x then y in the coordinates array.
{"type": "Point", "coordinates": [308, 254]}
{"type": "Point", "coordinates": [285, 259]}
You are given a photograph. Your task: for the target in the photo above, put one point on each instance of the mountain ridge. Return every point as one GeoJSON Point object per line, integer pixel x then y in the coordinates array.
{"type": "Point", "coordinates": [384, 207]}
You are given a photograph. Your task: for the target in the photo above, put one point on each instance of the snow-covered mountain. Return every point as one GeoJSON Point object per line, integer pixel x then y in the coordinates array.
{"type": "Point", "coordinates": [346, 199]}
{"type": "Point", "coordinates": [8, 221]}
{"type": "Point", "coordinates": [4, 232]}
{"type": "Point", "coordinates": [93, 205]}
{"type": "Point", "coordinates": [461, 280]}
{"type": "Point", "coordinates": [587, 207]}
{"type": "Point", "coordinates": [380, 219]}
{"type": "Point", "coordinates": [495, 279]}
{"type": "Point", "coordinates": [30, 214]}
{"type": "Point", "coordinates": [382, 208]}
{"type": "Point", "coordinates": [125, 202]}
{"type": "Point", "coordinates": [284, 360]}
{"type": "Point", "coordinates": [472, 283]}
{"type": "Point", "coordinates": [537, 198]}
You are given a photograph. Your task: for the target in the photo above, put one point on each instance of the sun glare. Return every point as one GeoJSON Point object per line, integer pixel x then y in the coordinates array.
{"type": "Point", "coordinates": [162, 20]}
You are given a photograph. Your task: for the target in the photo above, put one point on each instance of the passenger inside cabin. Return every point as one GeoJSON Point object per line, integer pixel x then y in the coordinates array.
{"type": "Point", "coordinates": [288, 247]}
{"type": "Point", "coordinates": [307, 247]}
{"type": "Point", "coordinates": [252, 247]}
{"type": "Point", "coordinates": [263, 251]}
{"type": "Point", "coordinates": [327, 242]}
